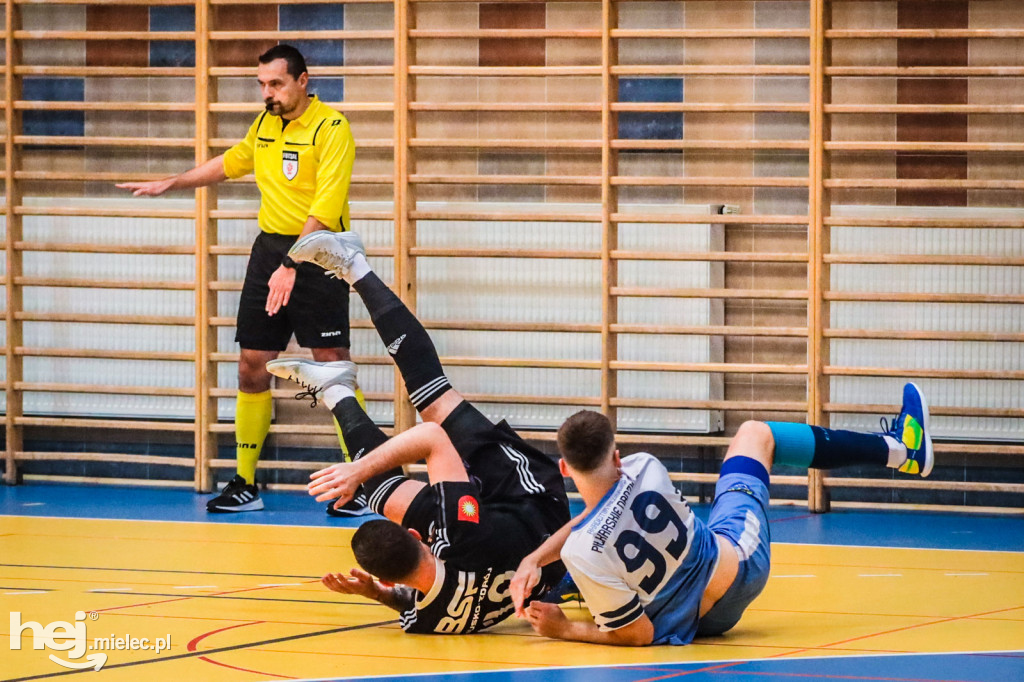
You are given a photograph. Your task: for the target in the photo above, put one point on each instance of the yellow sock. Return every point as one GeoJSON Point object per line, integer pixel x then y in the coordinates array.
{"type": "Point", "coordinates": [361, 399]}
{"type": "Point", "coordinates": [252, 422]}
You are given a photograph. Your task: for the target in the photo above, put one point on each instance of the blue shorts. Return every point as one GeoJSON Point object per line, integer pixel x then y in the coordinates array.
{"type": "Point", "coordinates": [740, 513]}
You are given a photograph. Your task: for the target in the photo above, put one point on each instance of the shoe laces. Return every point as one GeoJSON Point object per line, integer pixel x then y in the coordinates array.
{"type": "Point", "coordinates": [310, 392]}
{"type": "Point", "coordinates": [893, 428]}
{"type": "Point", "coordinates": [234, 486]}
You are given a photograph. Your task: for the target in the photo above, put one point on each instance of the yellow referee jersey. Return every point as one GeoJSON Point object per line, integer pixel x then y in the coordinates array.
{"type": "Point", "coordinates": [301, 171]}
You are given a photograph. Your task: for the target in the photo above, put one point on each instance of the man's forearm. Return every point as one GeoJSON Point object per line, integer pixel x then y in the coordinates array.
{"type": "Point", "coordinates": [311, 225]}
{"type": "Point", "coordinates": [637, 633]}
{"type": "Point", "coordinates": [208, 173]}
{"type": "Point", "coordinates": [551, 549]}
{"type": "Point", "coordinates": [398, 598]}
{"type": "Point", "coordinates": [425, 441]}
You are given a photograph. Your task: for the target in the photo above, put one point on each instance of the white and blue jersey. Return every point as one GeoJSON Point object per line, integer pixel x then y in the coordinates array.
{"type": "Point", "coordinates": [642, 550]}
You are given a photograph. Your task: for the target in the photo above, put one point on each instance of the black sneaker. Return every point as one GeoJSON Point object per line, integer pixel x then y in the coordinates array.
{"type": "Point", "coordinates": [237, 496]}
{"type": "Point", "coordinates": [351, 509]}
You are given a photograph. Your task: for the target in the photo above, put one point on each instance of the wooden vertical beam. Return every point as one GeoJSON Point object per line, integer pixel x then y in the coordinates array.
{"type": "Point", "coordinates": [404, 195]}
{"type": "Point", "coordinates": [819, 239]}
{"type": "Point", "coordinates": [206, 300]}
{"type": "Point", "coordinates": [12, 196]}
{"type": "Point", "coordinates": [609, 206]}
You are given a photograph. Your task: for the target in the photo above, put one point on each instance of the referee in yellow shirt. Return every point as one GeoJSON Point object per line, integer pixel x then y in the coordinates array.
{"type": "Point", "coordinates": [301, 152]}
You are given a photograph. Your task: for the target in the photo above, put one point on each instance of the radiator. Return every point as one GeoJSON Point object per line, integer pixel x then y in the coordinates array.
{"type": "Point", "coordinates": [569, 291]}
{"type": "Point", "coordinates": [940, 354]}
{"type": "Point", "coordinates": [488, 289]}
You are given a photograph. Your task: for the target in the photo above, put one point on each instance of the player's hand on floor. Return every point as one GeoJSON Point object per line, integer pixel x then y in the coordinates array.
{"type": "Point", "coordinates": [358, 582]}
{"type": "Point", "coordinates": [336, 482]}
{"type": "Point", "coordinates": [546, 619]}
{"type": "Point", "coordinates": [526, 578]}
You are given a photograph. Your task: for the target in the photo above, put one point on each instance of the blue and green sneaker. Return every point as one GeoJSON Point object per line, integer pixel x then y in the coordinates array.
{"type": "Point", "coordinates": [911, 428]}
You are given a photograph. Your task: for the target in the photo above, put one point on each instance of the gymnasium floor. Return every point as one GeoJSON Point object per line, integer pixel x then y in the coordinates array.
{"type": "Point", "coordinates": [853, 596]}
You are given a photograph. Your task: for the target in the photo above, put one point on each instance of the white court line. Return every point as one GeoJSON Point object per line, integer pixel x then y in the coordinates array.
{"type": "Point", "coordinates": [880, 575]}
{"type": "Point", "coordinates": [113, 589]}
{"type": "Point", "coordinates": [281, 585]}
{"type": "Point", "coordinates": [194, 587]}
{"type": "Point", "coordinates": [11, 594]}
{"type": "Point", "coordinates": [33, 504]}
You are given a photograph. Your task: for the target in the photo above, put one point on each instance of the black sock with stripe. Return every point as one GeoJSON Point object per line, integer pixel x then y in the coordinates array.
{"type": "Point", "coordinates": [407, 341]}
{"type": "Point", "coordinates": [362, 437]}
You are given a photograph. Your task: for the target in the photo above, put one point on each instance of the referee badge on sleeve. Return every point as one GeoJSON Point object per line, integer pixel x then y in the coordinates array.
{"type": "Point", "coordinates": [290, 164]}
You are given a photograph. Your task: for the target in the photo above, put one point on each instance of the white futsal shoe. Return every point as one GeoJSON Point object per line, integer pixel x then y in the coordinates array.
{"type": "Point", "coordinates": [315, 377]}
{"type": "Point", "coordinates": [333, 251]}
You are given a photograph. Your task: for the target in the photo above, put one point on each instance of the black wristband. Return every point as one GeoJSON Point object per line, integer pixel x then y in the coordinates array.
{"type": "Point", "coordinates": [288, 262]}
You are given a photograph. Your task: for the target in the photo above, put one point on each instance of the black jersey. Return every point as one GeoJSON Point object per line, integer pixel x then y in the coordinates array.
{"type": "Point", "coordinates": [462, 602]}
{"type": "Point", "coordinates": [478, 549]}
{"type": "Point", "coordinates": [481, 529]}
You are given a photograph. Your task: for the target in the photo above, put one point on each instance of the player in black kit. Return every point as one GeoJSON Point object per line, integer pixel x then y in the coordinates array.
{"type": "Point", "coordinates": [447, 554]}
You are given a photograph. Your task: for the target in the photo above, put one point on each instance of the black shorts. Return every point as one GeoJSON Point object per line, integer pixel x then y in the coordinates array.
{"type": "Point", "coordinates": [520, 491]}
{"type": "Point", "coordinates": [505, 466]}
{"type": "Point", "coordinates": [317, 311]}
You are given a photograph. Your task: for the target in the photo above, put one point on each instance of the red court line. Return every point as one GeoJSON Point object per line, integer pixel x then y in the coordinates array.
{"type": "Point", "coordinates": [218, 542]}
{"type": "Point", "coordinates": [132, 606]}
{"type": "Point", "coordinates": [845, 613]}
{"type": "Point", "coordinates": [902, 629]}
{"type": "Point", "coordinates": [834, 644]}
{"type": "Point", "coordinates": [705, 669]}
{"type": "Point", "coordinates": [221, 619]}
{"type": "Point", "coordinates": [195, 641]}
{"type": "Point", "coordinates": [723, 669]}
{"type": "Point", "coordinates": [904, 567]}
{"type": "Point", "coordinates": [188, 596]}
{"type": "Point", "coordinates": [192, 645]}
{"type": "Point", "coordinates": [245, 670]}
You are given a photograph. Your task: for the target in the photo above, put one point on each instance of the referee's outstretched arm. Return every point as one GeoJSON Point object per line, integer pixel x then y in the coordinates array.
{"type": "Point", "coordinates": [209, 173]}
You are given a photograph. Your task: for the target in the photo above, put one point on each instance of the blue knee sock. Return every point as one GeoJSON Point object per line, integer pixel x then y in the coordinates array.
{"type": "Point", "coordinates": [816, 448]}
{"type": "Point", "coordinates": [741, 464]}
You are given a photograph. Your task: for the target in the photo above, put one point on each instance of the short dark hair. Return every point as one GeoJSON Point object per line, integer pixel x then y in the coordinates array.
{"type": "Point", "coordinates": [296, 62]}
{"type": "Point", "coordinates": [386, 550]}
{"type": "Point", "coordinates": [585, 440]}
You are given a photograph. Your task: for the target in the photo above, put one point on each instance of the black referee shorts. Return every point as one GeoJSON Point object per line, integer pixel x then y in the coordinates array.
{"type": "Point", "coordinates": [317, 311]}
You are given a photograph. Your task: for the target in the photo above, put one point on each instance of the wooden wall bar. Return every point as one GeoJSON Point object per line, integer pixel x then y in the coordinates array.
{"type": "Point", "coordinates": [788, 113]}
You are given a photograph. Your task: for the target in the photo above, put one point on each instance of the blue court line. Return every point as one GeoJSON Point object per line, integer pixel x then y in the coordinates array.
{"type": "Point", "coordinates": [958, 667]}
{"type": "Point", "coordinates": [965, 667]}
{"type": "Point", "coordinates": [912, 529]}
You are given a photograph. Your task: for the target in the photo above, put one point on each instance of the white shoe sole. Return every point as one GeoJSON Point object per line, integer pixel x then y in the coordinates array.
{"type": "Point", "coordinates": [929, 452]}
{"type": "Point", "coordinates": [252, 505]}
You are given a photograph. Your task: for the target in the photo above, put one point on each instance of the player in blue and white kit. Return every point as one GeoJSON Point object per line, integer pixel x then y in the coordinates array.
{"type": "Point", "coordinates": [650, 571]}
